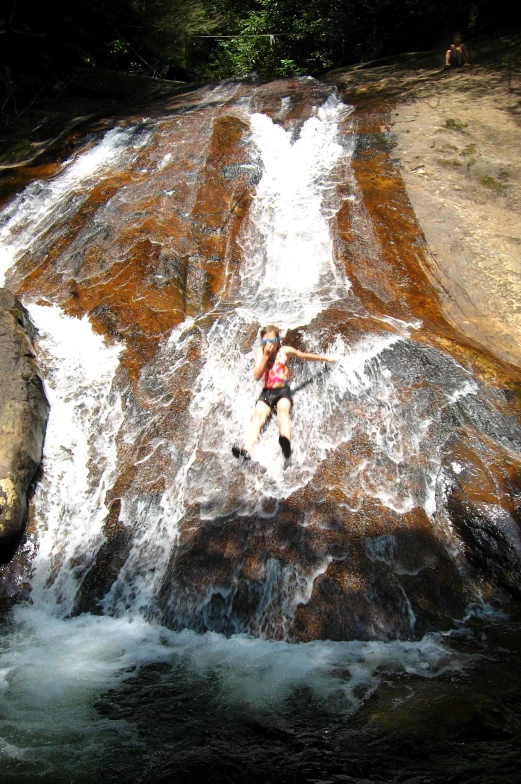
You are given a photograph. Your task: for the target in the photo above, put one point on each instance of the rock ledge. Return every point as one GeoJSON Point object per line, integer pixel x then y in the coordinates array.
{"type": "Point", "coordinates": [23, 417]}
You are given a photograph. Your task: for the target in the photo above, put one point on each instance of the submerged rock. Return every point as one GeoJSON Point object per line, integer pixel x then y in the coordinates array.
{"type": "Point", "coordinates": [23, 417]}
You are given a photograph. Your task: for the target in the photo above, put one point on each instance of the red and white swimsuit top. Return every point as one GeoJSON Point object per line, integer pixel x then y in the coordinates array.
{"type": "Point", "coordinates": [276, 374]}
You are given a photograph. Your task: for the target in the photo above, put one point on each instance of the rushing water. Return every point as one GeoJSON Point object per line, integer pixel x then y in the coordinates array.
{"type": "Point", "coordinates": [164, 635]}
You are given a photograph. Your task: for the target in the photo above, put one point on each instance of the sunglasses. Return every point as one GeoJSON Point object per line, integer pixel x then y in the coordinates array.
{"type": "Point", "coordinates": [269, 340]}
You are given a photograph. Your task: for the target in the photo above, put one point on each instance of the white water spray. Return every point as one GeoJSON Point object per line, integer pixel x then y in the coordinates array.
{"type": "Point", "coordinates": [289, 273]}
{"type": "Point", "coordinates": [79, 456]}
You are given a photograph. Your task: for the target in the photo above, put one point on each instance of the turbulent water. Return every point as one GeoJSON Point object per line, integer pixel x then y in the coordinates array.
{"type": "Point", "coordinates": [189, 616]}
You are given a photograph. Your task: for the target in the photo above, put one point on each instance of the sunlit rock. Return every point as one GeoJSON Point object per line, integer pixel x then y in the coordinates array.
{"type": "Point", "coordinates": [23, 416]}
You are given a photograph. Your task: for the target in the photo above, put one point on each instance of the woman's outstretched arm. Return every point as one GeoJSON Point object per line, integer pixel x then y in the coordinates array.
{"type": "Point", "coordinates": [293, 352]}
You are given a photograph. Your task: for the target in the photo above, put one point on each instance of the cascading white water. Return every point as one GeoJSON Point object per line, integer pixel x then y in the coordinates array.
{"type": "Point", "coordinates": [35, 210]}
{"type": "Point", "coordinates": [289, 273]}
{"type": "Point", "coordinates": [80, 454]}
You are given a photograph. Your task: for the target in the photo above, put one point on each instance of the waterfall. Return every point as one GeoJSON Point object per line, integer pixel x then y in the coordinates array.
{"type": "Point", "coordinates": [215, 563]}
{"type": "Point", "coordinates": [290, 274]}
{"type": "Point", "coordinates": [80, 454]}
{"type": "Point", "coordinates": [33, 212]}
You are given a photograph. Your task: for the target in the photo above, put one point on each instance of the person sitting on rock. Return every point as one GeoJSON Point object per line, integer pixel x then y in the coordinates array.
{"type": "Point", "coordinates": [271, 362]}
{"type": "Point", "coordinates": [456, 54]}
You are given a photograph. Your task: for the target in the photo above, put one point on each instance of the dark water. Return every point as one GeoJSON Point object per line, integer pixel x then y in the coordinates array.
{"type": "Point", "coordinates": [203, 708]}
{"type": "Point", "coordinates": [457, 727]}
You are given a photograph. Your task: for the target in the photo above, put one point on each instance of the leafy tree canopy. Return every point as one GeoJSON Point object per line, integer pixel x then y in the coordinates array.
{"type": "Point", "coordinates": [207, 39]}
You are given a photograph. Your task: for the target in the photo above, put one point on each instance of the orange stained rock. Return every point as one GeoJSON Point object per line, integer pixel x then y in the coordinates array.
{"type": "Point", "coordinates": [155, 259]}
{"type": "Point", "coordinates": [395, 276]}
{"type": "Point", "coordinates": [487, 476]}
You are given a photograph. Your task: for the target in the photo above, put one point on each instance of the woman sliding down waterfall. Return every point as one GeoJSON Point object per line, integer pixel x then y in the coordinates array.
{"type": "Point", "coordinates": [271, 361]}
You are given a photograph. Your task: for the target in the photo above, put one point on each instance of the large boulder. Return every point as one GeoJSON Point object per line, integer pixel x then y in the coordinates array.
{"type": "Point", "coordinates": [23, 417]}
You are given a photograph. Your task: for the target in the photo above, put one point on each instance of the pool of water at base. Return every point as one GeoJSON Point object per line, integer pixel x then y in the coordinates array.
{"type": "Point", "coordinates": [193, 708]}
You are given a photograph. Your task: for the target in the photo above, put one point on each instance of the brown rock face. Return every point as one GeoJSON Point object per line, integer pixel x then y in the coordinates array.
{"type": "Point", "coordinates": [23, 416]}
{"type": "Point", "coordinates": [459, 144]}
{"type": "Point", "coordinates": [399, 509]}
{"type": "Point", "coordinates": [484, 506]}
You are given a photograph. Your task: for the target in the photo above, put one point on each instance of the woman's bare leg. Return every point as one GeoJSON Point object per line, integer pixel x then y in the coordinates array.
{"type": "Point", "coordinates": [260, 415]}
{"type": "Point", "coordinates": [283, 409]}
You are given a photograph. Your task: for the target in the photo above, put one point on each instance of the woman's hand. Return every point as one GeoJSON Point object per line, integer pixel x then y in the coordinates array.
{"type": "Point", "coordinates": [269, 349]}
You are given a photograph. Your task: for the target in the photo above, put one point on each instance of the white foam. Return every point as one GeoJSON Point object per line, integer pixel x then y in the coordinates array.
{"type": "Point", "coordinates": [79, 452]}
{"type": "Point", "coordinates": [55, 667]}
{"type": "Point", "coordinates": [469, 387]}
{"type": "Point", "coordinates": [289, 274]}
{"type": "Point", "coordinates": [354, 394]}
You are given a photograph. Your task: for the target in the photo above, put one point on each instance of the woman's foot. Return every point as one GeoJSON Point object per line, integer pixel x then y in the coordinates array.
{"type": "Point", "coordinates": [240, 452]}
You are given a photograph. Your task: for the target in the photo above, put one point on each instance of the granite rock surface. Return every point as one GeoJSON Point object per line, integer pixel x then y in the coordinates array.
{"type": "Point", "coordinates": [23, 416]}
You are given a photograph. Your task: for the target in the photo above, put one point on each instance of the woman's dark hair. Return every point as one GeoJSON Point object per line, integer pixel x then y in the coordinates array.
{"type": "Point", "coordinates": [271, 328]}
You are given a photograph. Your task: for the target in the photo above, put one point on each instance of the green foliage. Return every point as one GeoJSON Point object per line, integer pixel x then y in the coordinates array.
{"type": "Point", "coordinates": [454, 125]}
{"type": "Point", "coordinates": [274, 38]}
{"type": "Point", "coordinates": [469, 149]}
{"type": "Point", "coordinates": [167, 25]}
{"type": "Point", "coordinates": [220, 38]}
{"type": "Point", "coordinates": [454, 163]}
{"type": "Point", "coordinates": [490, 182]}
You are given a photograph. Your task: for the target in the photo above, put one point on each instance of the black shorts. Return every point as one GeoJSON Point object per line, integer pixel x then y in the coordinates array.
{"type": "Point", "coordinates": [272, 396]}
